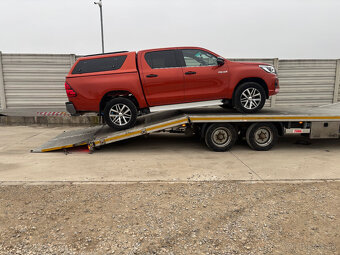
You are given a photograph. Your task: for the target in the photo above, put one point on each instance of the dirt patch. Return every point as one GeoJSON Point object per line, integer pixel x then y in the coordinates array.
{"type": "Point", "coordinates": [195, 218]}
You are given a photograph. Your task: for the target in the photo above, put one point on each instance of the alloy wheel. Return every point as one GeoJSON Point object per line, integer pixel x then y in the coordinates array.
{"type": "Point", "coordinates": [120, 114]}
{"type": "Point", "coordinates": [250, 98]}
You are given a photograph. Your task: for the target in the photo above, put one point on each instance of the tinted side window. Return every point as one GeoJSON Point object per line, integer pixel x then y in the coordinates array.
{"type": "Point", "coordinates": [161, 59]}
{"type": "Point", "coordinates": [99, 65]}
{"type": "Point", "coordinates": [194, 57]}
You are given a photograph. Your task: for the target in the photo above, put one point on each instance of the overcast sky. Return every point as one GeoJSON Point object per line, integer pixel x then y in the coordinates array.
{"type": "Point", "coordinates": [232, 28]}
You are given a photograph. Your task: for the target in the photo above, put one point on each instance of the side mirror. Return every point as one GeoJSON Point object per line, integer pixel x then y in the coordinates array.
{"type": "Point", "coordinates": [220, 61]}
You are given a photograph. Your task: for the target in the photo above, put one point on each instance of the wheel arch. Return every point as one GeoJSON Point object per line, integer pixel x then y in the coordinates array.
{"type": "Point", "coordinates": [117, 93]}
{"type": "Point", "coordinates": [252, 79]}
{"type": "Point", "coordinates": [279, 127]}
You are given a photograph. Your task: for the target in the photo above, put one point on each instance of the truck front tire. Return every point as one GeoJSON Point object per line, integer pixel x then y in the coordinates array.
{"type": "Point", "coordinates": [249, 97]}
{"type": "Point", "coordinates": [120, 113]}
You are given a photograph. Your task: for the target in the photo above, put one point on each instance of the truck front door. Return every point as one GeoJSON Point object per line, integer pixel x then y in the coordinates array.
{"type": "Point", "coordinates": [204, 79]}
{"type": "Point", "coordinates": [162, 77]}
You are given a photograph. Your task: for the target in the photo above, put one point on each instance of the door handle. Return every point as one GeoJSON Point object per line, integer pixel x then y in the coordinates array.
{"type": "Point", "coordinates": [190, 72]}
{"type": "Point", "coordinates": [151, 75]}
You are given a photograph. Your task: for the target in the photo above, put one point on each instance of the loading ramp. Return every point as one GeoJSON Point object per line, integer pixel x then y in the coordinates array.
{"type": "Point", "coordinates": [100, 135]}
{"type": "Point", "coordinates": [103, 134]}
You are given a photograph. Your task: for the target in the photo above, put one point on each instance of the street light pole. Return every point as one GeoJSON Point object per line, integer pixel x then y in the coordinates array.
{"type": "Point", "coordinates": [100, 4]}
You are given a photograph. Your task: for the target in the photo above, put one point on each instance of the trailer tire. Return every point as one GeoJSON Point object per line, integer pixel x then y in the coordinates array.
{"type": "Point", "coordinates": [120, 113]}
{"type": "Point", "coordinates": [220, 137]}
{"type": "Point", "coordinates": [249, 97]}
{"type": "Point", "coordinates": [262, 136]}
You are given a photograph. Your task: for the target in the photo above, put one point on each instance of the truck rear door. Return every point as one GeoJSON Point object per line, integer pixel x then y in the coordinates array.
{"type": "Point", "coordinates": [162, 77]}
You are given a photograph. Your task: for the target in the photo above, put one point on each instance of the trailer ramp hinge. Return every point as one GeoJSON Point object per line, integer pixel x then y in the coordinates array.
{"type": "Point", "coordinates": [91, 147]}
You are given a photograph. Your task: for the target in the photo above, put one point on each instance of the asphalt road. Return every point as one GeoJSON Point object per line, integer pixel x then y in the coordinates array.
{"type": "Point", "coordinates": [161, 157]}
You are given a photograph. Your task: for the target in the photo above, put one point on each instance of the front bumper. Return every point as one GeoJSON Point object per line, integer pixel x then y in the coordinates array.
{"type": "Point", "coordinates": [70, 108]}
{"type": "Point", "coordinates": [275, 87]}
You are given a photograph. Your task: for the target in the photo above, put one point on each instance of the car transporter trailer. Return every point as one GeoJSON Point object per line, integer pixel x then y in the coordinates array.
{"type": "Point", "coordinates": [218, 128]}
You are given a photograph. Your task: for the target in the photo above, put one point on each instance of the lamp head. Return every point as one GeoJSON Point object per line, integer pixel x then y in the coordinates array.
{"type": "Point", "coordinates": [99, 3]}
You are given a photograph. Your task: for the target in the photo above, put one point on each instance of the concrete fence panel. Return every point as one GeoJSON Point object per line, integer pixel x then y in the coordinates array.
{"type": "Point", "coordinates": [36, 81]}
{"type": "Point", "coordinates": [2, 87]}
{"type": "Point", "coordinates": [306, 82]}
{"type": "Point", "coordinates": [337, 83]}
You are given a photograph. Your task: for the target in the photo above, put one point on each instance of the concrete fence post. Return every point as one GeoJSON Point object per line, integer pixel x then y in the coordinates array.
{"type": "Point", "coordinates": [72, 59]}
{"type": "Point", "coordinates": [273, 98]}
{"type": "Point", "coordinates": [3, 104]}
{"type": "Point", "coordinates": [337, 82]}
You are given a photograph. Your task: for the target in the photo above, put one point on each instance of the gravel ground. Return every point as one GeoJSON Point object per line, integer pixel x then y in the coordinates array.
{"type": "Point", "coordinates": [165, 218]}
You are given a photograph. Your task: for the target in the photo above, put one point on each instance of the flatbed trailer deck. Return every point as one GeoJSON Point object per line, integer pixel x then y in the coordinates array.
{"type": "Point", "coordinates": [218, 128]}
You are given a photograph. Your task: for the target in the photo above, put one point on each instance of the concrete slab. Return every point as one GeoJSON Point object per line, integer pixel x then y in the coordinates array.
{"type": "Point", "coordinates": [160, 157]}
{"type": "Point", "coordinates": [292, 160]}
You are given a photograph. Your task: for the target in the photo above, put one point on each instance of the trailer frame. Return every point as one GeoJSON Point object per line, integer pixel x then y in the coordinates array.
{"type": "Point", "coordinates": [318, 122]}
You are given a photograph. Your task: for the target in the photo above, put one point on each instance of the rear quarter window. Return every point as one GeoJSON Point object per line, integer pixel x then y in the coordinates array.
{"type": "Point", "coordinates": [161, 59]}
{"type": "Point", "coordinates": [99, 65]}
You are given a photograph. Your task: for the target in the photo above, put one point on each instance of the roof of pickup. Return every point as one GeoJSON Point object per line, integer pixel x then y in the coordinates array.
{"type": "Point", "coordinates": [107, 53]}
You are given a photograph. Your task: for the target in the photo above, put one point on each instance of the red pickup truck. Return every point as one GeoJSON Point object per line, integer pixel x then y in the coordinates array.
{"type": "Point", "coordinates": [122, 85]}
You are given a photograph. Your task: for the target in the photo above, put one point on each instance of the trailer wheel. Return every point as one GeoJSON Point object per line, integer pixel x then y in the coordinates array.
{"type": "Point", "coordinates": [220, 137]}
{"type": "Point", "coordinates": [249, 97]}
{"type": "Point", "coordinates": [262, 136]}
{"type": "Point", "coordinates": [120, 113]}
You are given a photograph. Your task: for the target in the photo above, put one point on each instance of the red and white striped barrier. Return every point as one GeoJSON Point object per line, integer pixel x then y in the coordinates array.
{"type": "Point", "coordinates": [52, 113]}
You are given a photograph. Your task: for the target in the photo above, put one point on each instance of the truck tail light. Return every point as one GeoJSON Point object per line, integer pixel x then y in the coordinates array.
{"type": "Point", "coordinates": [70, 91]}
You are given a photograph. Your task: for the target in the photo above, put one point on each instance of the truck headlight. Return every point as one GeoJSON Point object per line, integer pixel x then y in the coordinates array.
{"type": "Point", "coordinates": [268, 69]}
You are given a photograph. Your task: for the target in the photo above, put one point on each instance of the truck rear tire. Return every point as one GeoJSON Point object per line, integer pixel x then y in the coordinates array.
{"type": "Point", "coordinates": [262, 136]}
{"type": "Point", "coordinates": [120, 113]}
{"type": "Point", "coordinates": [220, 137]}
{"type": "Point", "coordinates": [249, 97]}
